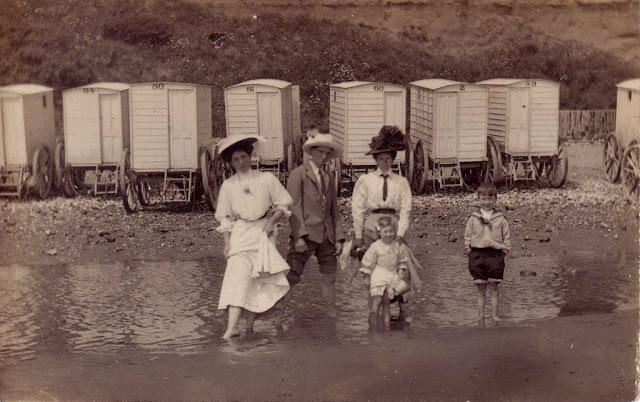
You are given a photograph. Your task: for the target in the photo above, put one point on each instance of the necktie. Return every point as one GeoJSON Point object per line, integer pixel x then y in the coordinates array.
{"type": "Point", "coordinates": [323, 182]}
{"type": "Point", "coordinates": [384, 187]}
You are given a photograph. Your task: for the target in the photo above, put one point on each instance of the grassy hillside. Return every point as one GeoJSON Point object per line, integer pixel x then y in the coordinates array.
{"type": "Point", "coordinates": [67, 43]}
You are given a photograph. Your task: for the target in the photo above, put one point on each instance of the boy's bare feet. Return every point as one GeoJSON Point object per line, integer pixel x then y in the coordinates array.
{"type": "Point", "coordinates": [373, 322]}
{"type": "Point", "coordinates": [497, 321]}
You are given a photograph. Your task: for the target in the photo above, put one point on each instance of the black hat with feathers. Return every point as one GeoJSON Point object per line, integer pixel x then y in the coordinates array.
{"type": "Point", "coordinates": [389, 139]}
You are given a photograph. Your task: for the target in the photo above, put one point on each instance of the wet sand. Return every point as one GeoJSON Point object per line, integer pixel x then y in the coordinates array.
{"type": "Point", "coordinates": [584, 358]}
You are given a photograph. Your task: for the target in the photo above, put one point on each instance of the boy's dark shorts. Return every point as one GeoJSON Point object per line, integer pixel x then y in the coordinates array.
{"type": "Point", "coordinates": [486, 265]}
{"type": "Point", "coordinates": [325, 252]}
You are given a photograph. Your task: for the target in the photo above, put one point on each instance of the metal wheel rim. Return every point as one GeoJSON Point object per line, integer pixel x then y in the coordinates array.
{"type": "Point", "coordinates": [144, 193]}
{"type": "Point", "coordinates": [125, 169]}
{"type": "Point", "coordinates": [493, 163]}
{"type": "Point", "coordinates": [612, 163]}
{"type": "Point", "coordinates": [209, 182]}
{"type": "Point", "coordinates": [558, 168]}
{"type": "Point", "coordinates": [130, 198]}
{"type": "Point", "coordinates": [631, 172]}
{"type": "Point", "coordinates": [74, 182]}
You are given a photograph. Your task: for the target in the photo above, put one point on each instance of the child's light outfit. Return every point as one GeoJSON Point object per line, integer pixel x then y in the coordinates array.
{"type": "Point", "coordinates": [383, 261]}
{"type": "Point", "coordinates": [486, 240]}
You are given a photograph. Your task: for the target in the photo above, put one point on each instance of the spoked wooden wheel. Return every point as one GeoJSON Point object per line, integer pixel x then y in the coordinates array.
{"type": "Point", "coordinates": [212, 171]}
{"type": "Point", "coordinates": [419, 169]}
{"type": "Point", "coordinates": [494, 163]}
{"type": "Point", "coordinates": [42, 171]}
{"type": "Point", "coordinates": [144, 193]}
{"type": "Point", "coordinates": [128, 181]}
{"type": "Point", "coordinates": [73, 182]}
{"type": "Point", "coordinates": [541, 167]}
{"type": "Point", "coordinates": [130, 198]}
{"type": "Point", "coordinates": [409, 156]}
{"type": "Point", "coordinates": [125, 168]}
{"type": "Point", "coordinates": [611, 156]}
{"type": "Point", "coordinates": [558, 168]}
{"type": "Point", "coordinates": [631, 172]}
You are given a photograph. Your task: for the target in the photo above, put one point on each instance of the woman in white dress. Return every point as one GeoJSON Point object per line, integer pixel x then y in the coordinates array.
{"type": "Point", "coordinates": [249, 205]}
{"type": "Point", "coordinates": [382, 194]}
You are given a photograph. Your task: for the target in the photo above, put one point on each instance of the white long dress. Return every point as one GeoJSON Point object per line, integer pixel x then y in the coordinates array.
{"type": "Point", "coordinates": [255, 276]}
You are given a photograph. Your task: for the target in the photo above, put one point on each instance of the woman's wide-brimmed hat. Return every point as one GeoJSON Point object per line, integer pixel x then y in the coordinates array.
{"type": "Point", "coordinates": [389, 139]}
{"type": "Point", "coordinates": [233, 139]}
{"type": "Point", "coordinates": [323, 140]}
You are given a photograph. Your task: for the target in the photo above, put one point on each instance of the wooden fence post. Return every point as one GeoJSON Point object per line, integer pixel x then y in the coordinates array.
{"type": "Point", "coordinates": [587, 124]}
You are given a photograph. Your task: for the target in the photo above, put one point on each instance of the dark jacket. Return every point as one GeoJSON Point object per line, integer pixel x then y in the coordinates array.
{"type": "Point", "coordinates": [313, 213]}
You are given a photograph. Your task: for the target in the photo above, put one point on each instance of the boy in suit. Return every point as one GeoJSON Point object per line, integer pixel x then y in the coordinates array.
{"type": "Point", "coordinates": [316, 226]}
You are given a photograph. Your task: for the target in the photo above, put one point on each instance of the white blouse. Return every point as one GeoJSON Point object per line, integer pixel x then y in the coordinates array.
{"type": "Point", "coordinates": [386, 256]}
{"type": "Point", "coordinates": [249, 197]}
{"type": "Point", "coordinates": [367, 195]}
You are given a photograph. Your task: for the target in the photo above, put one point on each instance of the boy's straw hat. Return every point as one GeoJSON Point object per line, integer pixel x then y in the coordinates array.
{"type": "Point", "coordinates": [323, 140]}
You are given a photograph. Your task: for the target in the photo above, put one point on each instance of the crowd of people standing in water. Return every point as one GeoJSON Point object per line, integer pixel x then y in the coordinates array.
{"type": "Point", "coordinates": [258, 278]}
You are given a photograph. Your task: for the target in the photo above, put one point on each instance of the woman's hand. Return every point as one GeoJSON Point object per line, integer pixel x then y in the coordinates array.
{"type": "Point", "coordinates": [301, 245]}
{"type": "Point", "coordinates": [227, 244]}
{"type": "Point", "coordinates": [366, 279]}
{"type": "Point", "coordinates": [269, 228]}
{"type": "Point", "coordinates": [339, 245]}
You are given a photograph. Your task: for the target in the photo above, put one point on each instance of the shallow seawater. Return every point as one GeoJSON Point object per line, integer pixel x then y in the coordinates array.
{"type": "Point", "coordinates": [171, 307]}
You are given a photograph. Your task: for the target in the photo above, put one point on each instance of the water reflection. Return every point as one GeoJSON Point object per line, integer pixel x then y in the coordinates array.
{"type": "Point", "coordinates": [172, 306]}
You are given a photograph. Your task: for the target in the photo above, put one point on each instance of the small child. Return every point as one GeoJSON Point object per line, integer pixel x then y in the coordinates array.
{"type": "Point", "coordinates": [387, 264]}
{"type": "Point", "coordinates": [486, 241]}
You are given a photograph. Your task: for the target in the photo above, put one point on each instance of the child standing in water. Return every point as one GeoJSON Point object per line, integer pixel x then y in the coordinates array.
{"type": "Point", "coordinates": [486, 241]}
{"type": "Point", "coordinates": [386, 263]}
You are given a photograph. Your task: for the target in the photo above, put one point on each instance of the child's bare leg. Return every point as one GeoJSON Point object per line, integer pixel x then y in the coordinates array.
{"type": "Point", "coordinates": [403, 310]}
{"type": "Point", "coordinates": [373, 315]}
{"type": "Point", "coordinates": [495, 298]}
{"type": "Point", "coordinates": [329, 293]}
{"type": "Point", "coordinates": [232, 325]}
{"type": "Point", "coordinates": [250, 317]}
{"type": "Point", "coordinates": [482, 292]}
{"type": "Point", "coordinates": [386, 312]}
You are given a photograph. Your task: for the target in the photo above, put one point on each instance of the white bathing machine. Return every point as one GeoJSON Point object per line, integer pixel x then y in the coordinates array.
{"type": "Point", "coordinates": [358, 109]}
{"type": "Point", "coordinates": [621, 153]}
{"type": "Point", "coordinates": [27, 140]}
{"type": "Point", "coordinates": [524, 129]}
{"type": "Point", "coordinates": [96, 129]}
{"type": "Point", "coordinates": [448, 125]}
{"type": "Point", "coordinates": [169, 147]}
{"type": "Point", "coordinates": [269, 108]}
